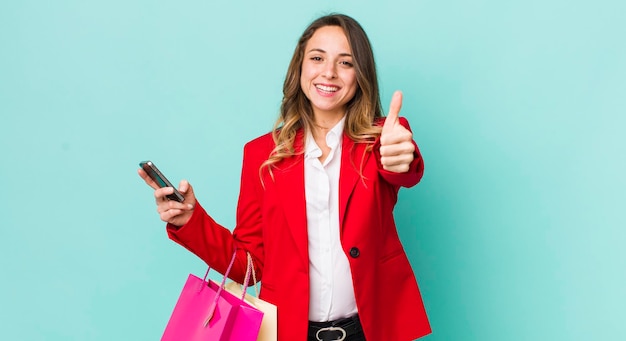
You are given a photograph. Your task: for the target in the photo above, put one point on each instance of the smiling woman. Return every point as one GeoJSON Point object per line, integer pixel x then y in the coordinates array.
{"type": "Point", "coordinates": [316, 200]}
{"type": "Point", "coordinates": [348, 38]}
{"type": "Point", "coordinates": [328, 78]}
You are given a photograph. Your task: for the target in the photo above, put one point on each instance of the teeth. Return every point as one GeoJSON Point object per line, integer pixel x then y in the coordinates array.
{"type": "Point", "coordinates": [327, 88]}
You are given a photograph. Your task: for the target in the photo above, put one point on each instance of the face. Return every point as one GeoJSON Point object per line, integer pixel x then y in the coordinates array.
{"type": "Point", "coordinates": [328, 77]}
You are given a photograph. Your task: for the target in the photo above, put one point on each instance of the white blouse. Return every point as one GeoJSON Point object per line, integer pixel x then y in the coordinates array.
{"type": "Point", "coordinates": [331, 287]}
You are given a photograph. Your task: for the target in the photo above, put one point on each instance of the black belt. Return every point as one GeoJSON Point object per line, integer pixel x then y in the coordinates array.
{"type": "Point", "coordinates": [335, 330]}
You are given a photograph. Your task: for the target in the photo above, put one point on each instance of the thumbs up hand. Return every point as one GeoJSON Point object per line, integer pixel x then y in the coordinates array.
{"type": "Point", "coordinates": [396, 142]}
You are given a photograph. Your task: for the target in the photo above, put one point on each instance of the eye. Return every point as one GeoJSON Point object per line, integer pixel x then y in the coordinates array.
{"type": "Point", "coordinates": [316, 58]}
{"type": "Point", "coordinates": [346, 63]}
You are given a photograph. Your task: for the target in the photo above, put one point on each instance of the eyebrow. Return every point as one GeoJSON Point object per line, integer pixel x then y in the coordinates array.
{"type": "Point", "coordinates": [322, 51]}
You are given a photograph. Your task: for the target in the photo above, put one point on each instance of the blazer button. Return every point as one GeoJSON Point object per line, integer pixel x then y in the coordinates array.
{"type": "Point", "coordinates": [354, 252]}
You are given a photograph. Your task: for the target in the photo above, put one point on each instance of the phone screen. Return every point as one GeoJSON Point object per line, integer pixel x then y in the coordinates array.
{"type": "Point", "coordinates": [160, 179]}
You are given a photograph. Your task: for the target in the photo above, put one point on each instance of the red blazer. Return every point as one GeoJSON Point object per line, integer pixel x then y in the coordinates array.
{"type": "Point", "coordinates": [272, 226]}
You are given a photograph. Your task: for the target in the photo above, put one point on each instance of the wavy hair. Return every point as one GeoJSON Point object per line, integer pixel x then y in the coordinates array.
{"type": "Point", "coordinates": [296, 111]}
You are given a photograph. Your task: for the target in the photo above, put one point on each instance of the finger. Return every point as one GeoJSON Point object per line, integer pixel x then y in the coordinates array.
{"type": "Point", "coordinates": [172, 210]}
{"type": "Point", "coordinates": [397, 164]}
{"type": "Point", "coordinates": [160, 194]}
{"type": "Point", "coordinates": [397, 149]}
{"type": "Point", "coordinates": [173, 205]}
{"type": "Point", "coordinates": [403, 168]}
{"type": "Point", "coordinates": [183, 186]}
{"type": "Point", "coordinates": [394, 111]}
{"type": "Point", "coordinates": [399, 135]}
{"type": "Point", "coordinates": [396, 160]}
{"type": "Point", "coordinates": [187, 190]}
{"type": "Point", "coordinates": [147, 179]}
{"type": "Point", "coordinates": [169, 215]}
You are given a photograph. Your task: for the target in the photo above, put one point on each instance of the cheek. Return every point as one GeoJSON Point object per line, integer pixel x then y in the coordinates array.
{"type": "Point", "coordinates": [350, 80]}
{"type": "Point", "coordinates": [304, 85]}
{"type": "Point", "coordinates": [306, 73]}
{"type": "Point", "coordinates": [303, 74]}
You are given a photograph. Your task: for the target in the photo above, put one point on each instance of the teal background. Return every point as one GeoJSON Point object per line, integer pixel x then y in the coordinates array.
{"type": "Point", "coordinates": [515, 233]}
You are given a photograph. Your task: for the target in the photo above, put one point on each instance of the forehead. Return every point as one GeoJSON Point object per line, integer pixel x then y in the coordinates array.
{"type": "Point", "coordinates": [329, 39]}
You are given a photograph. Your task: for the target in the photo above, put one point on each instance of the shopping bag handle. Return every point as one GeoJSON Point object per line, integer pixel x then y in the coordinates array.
{"type": "Point", "coordinates": [249, 270]}
{"type": "Point", "coordinates": [211, 310]}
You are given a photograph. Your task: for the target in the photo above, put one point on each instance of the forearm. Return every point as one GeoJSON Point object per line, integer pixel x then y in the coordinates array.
{"type": "Point", "coordinates": [205, 238]}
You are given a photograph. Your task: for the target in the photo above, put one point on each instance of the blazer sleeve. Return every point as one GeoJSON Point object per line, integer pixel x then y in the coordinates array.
{"type": "Point", "coordinates": [416, 169]}
{"type": "Point", "coordinates": [214, 243]}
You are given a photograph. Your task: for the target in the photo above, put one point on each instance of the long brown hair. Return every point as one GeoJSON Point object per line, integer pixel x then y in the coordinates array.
{"type": "Point", "coordinates": [296, 111]}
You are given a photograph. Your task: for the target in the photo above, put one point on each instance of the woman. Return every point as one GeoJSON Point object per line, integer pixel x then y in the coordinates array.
{"type": "Point", "coordinates": [316, 200]}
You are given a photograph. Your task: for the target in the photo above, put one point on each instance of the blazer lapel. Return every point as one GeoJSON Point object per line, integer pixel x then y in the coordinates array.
{"type": "Point", "coordinates": [289, 180]}
{"type": "Point", "coordinates": [353, 158]}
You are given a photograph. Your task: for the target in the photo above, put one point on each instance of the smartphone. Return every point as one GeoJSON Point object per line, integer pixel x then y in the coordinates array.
{"type": "Point", "coordinates": [155, 174]}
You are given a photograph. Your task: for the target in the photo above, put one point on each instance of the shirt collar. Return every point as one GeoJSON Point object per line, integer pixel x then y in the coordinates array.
{"type": "Point", "coordinates": [333, 139]}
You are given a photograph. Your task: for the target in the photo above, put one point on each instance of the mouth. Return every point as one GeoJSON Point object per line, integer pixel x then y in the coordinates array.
{"type": "Point", "coordinates": [329, 89]}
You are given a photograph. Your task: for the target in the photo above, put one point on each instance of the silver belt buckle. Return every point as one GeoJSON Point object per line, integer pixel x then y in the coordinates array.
{"type": "Point", "coordinates": [331, 329]}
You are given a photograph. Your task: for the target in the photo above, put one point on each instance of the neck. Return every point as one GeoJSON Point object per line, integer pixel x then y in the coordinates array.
{"type": "Point", "coordinates": [327, 121]}
{"type": "Point", "coordinates": [320, 128]}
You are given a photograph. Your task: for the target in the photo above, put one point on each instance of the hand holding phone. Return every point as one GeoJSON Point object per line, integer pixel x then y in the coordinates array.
{"type": "Point", "coordinates": [160, 179]}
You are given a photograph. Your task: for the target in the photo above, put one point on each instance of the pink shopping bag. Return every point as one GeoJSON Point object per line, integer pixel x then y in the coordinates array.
{"type": "Point", "coordinates": [205, 311]}
{"type": "Point", "coordinates": [268, 330]}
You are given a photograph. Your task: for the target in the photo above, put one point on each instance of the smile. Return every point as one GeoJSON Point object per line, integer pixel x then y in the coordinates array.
{"type": "Point", "coordinates": [327, 88]}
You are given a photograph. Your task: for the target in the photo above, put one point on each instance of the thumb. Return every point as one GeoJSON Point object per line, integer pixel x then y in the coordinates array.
{"type": "Point", "coordinates": [184, 187]}
{"type": "Point", "coordinates": [394, 110]}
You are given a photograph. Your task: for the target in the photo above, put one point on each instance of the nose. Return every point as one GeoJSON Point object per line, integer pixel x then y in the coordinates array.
{"type": "Point", "coordinates": [329, 71]}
